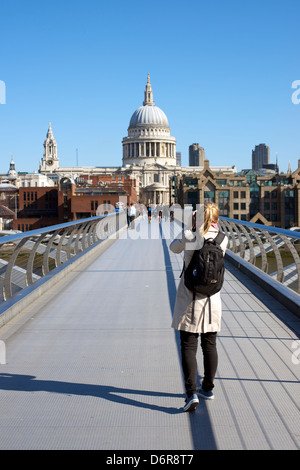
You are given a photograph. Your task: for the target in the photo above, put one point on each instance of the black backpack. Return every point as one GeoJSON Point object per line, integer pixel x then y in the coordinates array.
{"type": "Point", "coordinates": [205, 273]}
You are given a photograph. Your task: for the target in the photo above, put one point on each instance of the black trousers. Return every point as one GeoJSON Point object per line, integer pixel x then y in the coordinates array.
{"type": "Point", "coordinates": [189, 346]}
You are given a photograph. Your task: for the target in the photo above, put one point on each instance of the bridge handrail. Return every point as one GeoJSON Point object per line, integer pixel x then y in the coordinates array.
{"type": "Point", "coordinates": [39, 231]}
{"type": "Point", "coordinates": [252, 241]}
{"type": "Point", "coordinates": [269, 228]}
{"type": "Point", "coordinates": [55, 245]}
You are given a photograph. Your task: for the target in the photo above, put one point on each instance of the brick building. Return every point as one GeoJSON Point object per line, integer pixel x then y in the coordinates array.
{"type": "Point", "coordinates": [72, 200]}
{"type": "Point", "coordinates": [100, 194]}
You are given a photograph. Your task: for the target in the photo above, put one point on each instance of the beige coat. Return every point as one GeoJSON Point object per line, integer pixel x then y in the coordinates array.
{"type": "Point", "coordinates": [183, 310]}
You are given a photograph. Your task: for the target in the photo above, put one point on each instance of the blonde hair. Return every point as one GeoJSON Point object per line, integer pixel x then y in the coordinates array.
{"type": "Point", "coordinates": [211, 214]}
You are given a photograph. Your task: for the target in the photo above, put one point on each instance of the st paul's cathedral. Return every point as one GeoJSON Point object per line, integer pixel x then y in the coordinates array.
{"type": "Point", "coordinates": [149, 155]}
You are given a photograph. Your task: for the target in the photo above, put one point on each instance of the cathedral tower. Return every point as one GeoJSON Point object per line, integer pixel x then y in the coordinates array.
{"type": "Point", "coordinates": [50, 161]}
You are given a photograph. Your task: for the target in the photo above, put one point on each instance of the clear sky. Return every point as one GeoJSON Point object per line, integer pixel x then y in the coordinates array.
{"type": "Point", "coordinates": [221, 70]}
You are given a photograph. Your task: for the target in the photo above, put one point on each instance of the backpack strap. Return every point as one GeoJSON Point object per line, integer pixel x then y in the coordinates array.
{"type": "Point", "coordinates": [183, 268]}
{"type": "Point", "coordinates": [220, 237]}
{"type": "Point", "coordinates": [193, 309]}
{"type": "Point", "coordinates": [209, 306]}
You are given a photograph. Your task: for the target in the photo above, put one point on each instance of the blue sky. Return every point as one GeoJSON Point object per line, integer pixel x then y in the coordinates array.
{"type": "Point", "coordinates": [222, 71]}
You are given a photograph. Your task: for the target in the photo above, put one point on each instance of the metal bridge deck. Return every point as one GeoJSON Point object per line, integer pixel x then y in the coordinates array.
{"type": "Point", "coordinates": [94, 363]}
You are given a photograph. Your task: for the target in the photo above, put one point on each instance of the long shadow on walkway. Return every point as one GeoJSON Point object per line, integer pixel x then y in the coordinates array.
{"type": "Point", "coordinates": [201, 429]}
{"type": "Point", "coordinates": [29, 383]}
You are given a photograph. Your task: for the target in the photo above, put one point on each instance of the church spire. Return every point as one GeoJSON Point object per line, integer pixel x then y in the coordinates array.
{"type": "Point", "coordinates": [50, 132]}
{"type": "Point", "coordinates": [148, 101]}
{"type": "Point", "coordinates": [50, 160]}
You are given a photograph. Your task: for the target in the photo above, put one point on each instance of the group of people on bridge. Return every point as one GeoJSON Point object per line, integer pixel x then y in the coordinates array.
{"type": "Point", "coordinates": [161, 211]}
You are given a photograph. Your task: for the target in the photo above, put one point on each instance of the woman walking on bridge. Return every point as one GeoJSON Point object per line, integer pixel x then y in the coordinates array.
{"type": "Point", "coordinates": [196, 314]}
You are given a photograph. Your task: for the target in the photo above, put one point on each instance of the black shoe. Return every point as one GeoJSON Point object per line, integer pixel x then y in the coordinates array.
{"type": "Point", "coordinates": [191, 403]}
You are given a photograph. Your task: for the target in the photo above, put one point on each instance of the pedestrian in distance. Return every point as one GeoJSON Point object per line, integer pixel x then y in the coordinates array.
{"type": "Point", "coordinates": [132, 215]}
{"type": "Point", "coordinates": [165, 212]}
{"type": "Point", "coordinates": [160, 214]}
{"type": "Point", "coordinates": [196, 315]}
{"type": "Point", "coordinates": [149, 211]}
{"type": "Point", "coordinates": [127, 214]}
{"type": "Point", "coordinates": [172, 213]}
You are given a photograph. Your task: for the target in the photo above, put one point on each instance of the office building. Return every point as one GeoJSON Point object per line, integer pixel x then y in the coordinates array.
{"type": "Point", "coordinates": [260, 156]}
{"type": "Point", "coordinates": [196, 155]}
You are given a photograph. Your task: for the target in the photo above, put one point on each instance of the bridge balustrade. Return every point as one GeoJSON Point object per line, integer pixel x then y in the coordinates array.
{"type": "Point", "coordinates": [27, 257]}
{"type": "Point", "coordinates": [273, 250]}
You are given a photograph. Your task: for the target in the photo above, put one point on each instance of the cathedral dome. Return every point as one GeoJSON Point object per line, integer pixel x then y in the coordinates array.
{"type": "Point", "coordinates": [149, 141]}
{"type": "Point", "coordinates": [148, 115]}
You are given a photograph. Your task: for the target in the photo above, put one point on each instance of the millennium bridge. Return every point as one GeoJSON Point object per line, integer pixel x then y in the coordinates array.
{"type": "Point", "coordinates": [88, 359]}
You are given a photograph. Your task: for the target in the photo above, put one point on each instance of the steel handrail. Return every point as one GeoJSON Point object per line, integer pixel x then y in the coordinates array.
{"type": "Point", "coordinates": [40, 231]}
{"type": "Point", "coordinates": [252, 241]}
{"type": "Point", "coordinates": [72, 239]}
{"type": "Point", "coordinates": [269, 228]}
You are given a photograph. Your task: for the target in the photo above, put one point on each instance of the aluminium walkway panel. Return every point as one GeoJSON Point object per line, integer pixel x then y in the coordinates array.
{"type": "Point", "coordinates": [94, 363]}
